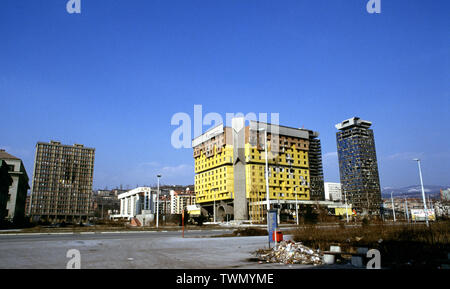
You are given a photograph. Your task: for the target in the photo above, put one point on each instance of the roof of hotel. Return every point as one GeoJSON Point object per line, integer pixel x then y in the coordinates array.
{"type": "Point", "coordinates": [256, 125]}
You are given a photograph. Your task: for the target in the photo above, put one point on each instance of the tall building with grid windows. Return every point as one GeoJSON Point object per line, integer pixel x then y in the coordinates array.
{"type": "Point", "coordinates": [358, 166]}
{"type": "Point", "coordinates": [315, 167]}
{"type": "Point", "coordinates": [62, 182]}
{"type": "Point", "coordinates": [230, 168]}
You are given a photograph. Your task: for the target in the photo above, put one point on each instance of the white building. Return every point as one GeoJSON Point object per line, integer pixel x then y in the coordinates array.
{"type": "Point", "coordinates": [136, 201]}
{"type": "Point", "coordinates": [333, 191]}
{"type": "Point", "coordinates": [180, 200]}
{"type": "Point", "coordinates": [141, 201]}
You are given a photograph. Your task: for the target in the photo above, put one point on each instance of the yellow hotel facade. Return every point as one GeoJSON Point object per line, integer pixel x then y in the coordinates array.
{"type": "Point", "coordinates": [230, 168]}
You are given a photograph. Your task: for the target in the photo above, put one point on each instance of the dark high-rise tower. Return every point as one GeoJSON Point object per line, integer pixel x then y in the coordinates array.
{"type": "Point", "coordinates": [358, 165]}
{"type": "Point", "coordinates": [62, 182]}
{"type": "Point", "coordinates": [315, 167]}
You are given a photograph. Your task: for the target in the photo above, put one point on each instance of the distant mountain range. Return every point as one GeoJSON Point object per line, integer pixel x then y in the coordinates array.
{"type": "Point", "coordinates": [431, 191]}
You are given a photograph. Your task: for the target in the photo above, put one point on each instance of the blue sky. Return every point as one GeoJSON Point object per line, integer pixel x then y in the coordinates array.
{"type": "Point", "coordinates": [113, 76]}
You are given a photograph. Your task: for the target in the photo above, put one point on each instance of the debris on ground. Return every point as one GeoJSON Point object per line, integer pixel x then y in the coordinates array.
{"type": "Point", "coordinates": [289, 252]}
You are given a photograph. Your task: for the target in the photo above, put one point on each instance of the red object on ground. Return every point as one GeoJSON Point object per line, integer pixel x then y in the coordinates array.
{"type": "Point", "coordinates": [134, 222]}
{"type": "Point", "coordinates": [182, 222]}
{"type": "Point", "coordinates": [277, 236]}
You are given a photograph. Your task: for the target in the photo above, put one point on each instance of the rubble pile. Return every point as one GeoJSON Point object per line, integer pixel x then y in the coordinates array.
{"type": "Point", "coordinates": [289, 252]}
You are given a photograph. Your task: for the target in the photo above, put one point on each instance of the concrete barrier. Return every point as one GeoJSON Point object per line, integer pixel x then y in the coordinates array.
{"type": "Point", "coordinates": [328, 259]}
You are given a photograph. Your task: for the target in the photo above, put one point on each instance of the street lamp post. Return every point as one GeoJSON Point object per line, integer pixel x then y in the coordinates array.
{"type": "Point", "coordinates": [267, 176]}
{"type": "Point", "coordinates": [279, 208]}
{"type": "Point", "coordinates": [296, 204]}
{"type": "Point", "coordinates": [296, 207]}
{"type": "Point", "coordinates": [157, 204]}
{"type": "Point", "coordinates": [267, 169]}
{"type": "Point", "coordinates": [423, 192]}
{"type": "Point", "coordinates": [393, 210]}
{"type": "Point", "coordinates": [214, 208]}
{"type": "Point", "coordinates": [430, 203]}
{"type": "Point", "coordinates": [406, 209]}
{"type": "Point", "coordinates": [296, 198]}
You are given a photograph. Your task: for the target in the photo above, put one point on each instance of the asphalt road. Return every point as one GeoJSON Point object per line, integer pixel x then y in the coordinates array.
{"type": "Point", "coordinates": [133, 250]}
{"type": "Point", "coordinates": [8, 238]}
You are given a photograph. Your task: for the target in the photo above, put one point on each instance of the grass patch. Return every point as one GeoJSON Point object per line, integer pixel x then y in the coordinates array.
{"type": "Point", "coordinates": [399, 245]}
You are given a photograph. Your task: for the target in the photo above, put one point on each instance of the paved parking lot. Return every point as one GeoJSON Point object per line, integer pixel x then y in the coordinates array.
{"type": "Point", "coordinates": [134, 250]}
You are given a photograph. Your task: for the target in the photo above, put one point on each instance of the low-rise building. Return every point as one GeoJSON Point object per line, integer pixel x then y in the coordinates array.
{"type": "Point", "coordinates": [106, 202]}
{"type": "Point", "coordinates": [15, 207]}
{"type": "Point", "coordinates": [142, 201]}
{"type": "Point", "coordinates": [135, 201]}
{"type": "Point", "coordinates": [5, 183]}
{"type": "Point", "coordinates": [164, 204]}
{"type": "Point", "coordinates": [333, 191]}
{"type": "Point", "coordinates": [180, 200]}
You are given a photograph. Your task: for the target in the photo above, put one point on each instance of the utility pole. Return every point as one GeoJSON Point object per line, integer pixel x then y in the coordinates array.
{"type": "Point", "coordinates": [430, 203]}
{"type": "Point", "coordinates": [423, 192]}
{"type": "Point", "coordinates": [296, 198]}
{"type": "Point", "coordinates": [279, 208]}
{"type": "Point", "coordinates": [267, 177]}
{"type": "Point", "coordinates": [296, 203]}
{"type": "Point", "coordinates": [393, 209]}
{"type": "Point", "coordinates": [267, 170]}
{"type": "Point", "coordinates": [296, 206]}
{"type": "Point", "coordinates": [182, 222]}
{"type": "Point", "coordinates": [406, 208]}
{"type": "Point", "coordinates": [214, 208]}
{"type": "Point", "coordinates": [157, 204]}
